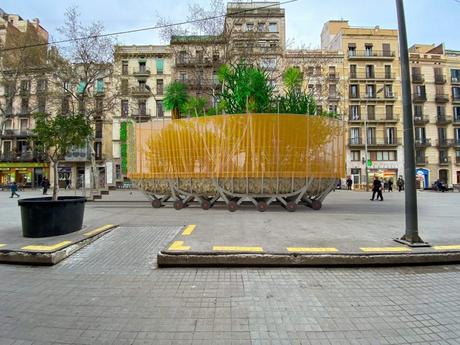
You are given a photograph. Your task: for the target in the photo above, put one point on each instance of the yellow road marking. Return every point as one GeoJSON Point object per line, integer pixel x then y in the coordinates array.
{"type": "Point", "coordinates": [188, 230]}
{"type": "Point", "coordinates": [237, 249]}
{"type": "Point", "coordinates": [2, 245]}
{"type": "Point", "coordinates": [178, 245]}
{"type": "Point", "coordinates": [98, 230]}
{"type": "Point", "coordinates": [452, 247]}
{"type": "Point", "coordinates": [311, 250]}
{"type": "Point", "coordinates": [385, 249]}
{"type": "Point", "coordinates": [48, 248]}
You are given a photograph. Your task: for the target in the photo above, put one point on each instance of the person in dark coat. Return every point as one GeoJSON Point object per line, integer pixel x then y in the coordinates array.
{"type": "Point", "coordinates": [377, 188]}
{"type": "Point", "coordinates": [14, 189]}
{"type": "Point", "coordinates": [390, 185]}
{"type": "Point", "coordinates": [349, 183]}
{"type": "Point", "coordinates": [45, 185]}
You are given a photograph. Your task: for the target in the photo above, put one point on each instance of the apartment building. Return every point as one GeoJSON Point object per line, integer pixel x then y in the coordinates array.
{"type": "Point", "coordinates": [143, 72]}
{"type": "Point", "coordinates": [22, 91]}
{"type": "Point", "coordinates": [371, 71]}
{"type": "Point", "coordinates": [453, 79]}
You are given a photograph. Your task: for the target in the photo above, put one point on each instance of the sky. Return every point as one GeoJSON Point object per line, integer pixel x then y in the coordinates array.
{"type": "Point", "coordinates": [428, 21]}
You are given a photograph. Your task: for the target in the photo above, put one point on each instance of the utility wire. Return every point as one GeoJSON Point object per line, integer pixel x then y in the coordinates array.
{"type": "Point", "coordinates": [146, 28]}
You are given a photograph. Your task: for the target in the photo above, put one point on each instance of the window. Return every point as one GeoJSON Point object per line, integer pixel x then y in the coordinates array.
{"type": "Point", "coordinates": [215, 56]}
{"type": "Point", "coordinates": [160, 110]}
{"type": "Point", "coordinates": [420, 135]}
{"type": "Point", "coordinates": [441, 111]}
{"type": "Point", "coordinates": [159, 87]}
{"type": "Point", "coordinates": [368, 49]}
{"type": "Point", "coordinates": [370, 72]}
{"type": "Point", "coordinates": [389, 112]}
{"type": "Point", "coordinates": [442, 134]}
{"type": "Point", "coordinates": [249, 27]}
{"type": "Point", "coordinates": [24, 105]}
{"type": "Point", "coordinates": [387, 71]}
{"type": "Point", "coordinates": [355, 155]}
{"type": "Point", "coordinates": [383, 155]}
{"type": "Point", "coordinates": [124, 86]}
{"type": "Point", "coordinates": [371, 112]}
{"type": "Point", "coordinates": [310, 70]}
{"type": "Point", "coordinates": [355, 112]}
{"type": "Point", "coordinates": [420, 156]}
{"type": "Point", "coordinates": [65, 105]}
{"type": "Point", "coordinates": [354, 91]}
{"type": "Point", "coordinates": [142, 107]}
{"type": "Point", "coordinates": [142, 67]}
{"type": "Point", "coordinates": [261, 27]}
{"type": "Point", "coordinates": [351, 49]}
{"type": "Point", "coordinates": [99, 106]}
{"type": "Point", "coordinates": [353, 71]}
{"type": "Point", "coordinates": [388, 91]}
{"type": "Point", "coordinates": [7, 147]}
{"type": "Point", "coordinates": [98, 132]}
{"type": "Point", "coordinates": [455, 75]}
{"type": "Point", "coordinates": [420, 90]}
{"type": "Point", "coordinates": [42, 85]}
{"type": "Point", "coordinates": [81, 87]}
{"type": "Point", "coordinates": [160, 65]}
{"type": "Point", "coordinates": [390, 135]}
{"type": "Point", "coordinates": [41, 104]}
{"type": "Point", "coordinates": [273, 27]}
{"type": "Point", "coordinates": [183, 76]}
{"type": "Point", "coordinates": [333, 108]}
{"type": "Point", "coordinates": [370, 91]}
{"type": "Point", "coordinates": [98, 150]}
{"type": "Point", "coordinates": [456, 93]}
{"type": "Point", "coordinates": [355, 137]}
{"type": "Point", "coordinates": [124, 108]}
{"type": "Point", "coordinates": [100, 85]}
{"type": "Point", "coordinates": [418, 110]}
{"type": "Point", "coordinates": [124, 68]}
{"type": "Point", "coordinates": [25, 86]}
{"type": "Point", "coordinates": [9, 124]}
{"type": "Point", "coordinates": [457, 156]}
{"type": "Point", "coordinates": [457, 135]}
{"type": "Point", "coordinates": [386, 49]}
{"type": "Point", "coordinates": [371, 135]}
{"type": "Point", "coordinates": [333, 90]}
{"type": "Point", "coordinates": [443, 156]}
{"type": "Point", "coordinates": [24, 124]}
{"type": "Point", "coordinates": [456, 112]}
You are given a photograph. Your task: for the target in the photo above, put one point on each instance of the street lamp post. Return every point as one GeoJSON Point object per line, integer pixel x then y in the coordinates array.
{"type": "Point", "coordinates": [411, 236]}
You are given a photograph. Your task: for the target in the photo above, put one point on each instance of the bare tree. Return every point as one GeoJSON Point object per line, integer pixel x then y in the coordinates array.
{"type": "Point", "coordinates": [81, 72]}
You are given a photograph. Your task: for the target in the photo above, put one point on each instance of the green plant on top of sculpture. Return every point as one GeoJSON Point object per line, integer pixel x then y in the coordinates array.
{"type": "Point", "coordinates": [175, 98]}
{"type": "Point", "coordinates": [195, 106]}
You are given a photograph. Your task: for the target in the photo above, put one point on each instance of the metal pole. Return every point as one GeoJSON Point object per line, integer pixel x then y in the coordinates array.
{"type": "Point", "coordinates": [411, 236]}
{"type": "Point", "coordinates": [365, 148]}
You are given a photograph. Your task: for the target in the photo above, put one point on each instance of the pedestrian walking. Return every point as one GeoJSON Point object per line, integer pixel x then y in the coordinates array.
{"type": "Point", "coordinates": [400, 183]}
{"type": "Point", "coordinates": [390, 185]}
{"type": "Point", "coordinates": [377, 189]}
{"type": "Point", "coordinates": [67, 183]}
{"type": "Point", "coordinates": [14, 189]}
{"type": "Point", "coordinates": [349, 183]}
{"type": "Point", "coordinates": [45, 185]}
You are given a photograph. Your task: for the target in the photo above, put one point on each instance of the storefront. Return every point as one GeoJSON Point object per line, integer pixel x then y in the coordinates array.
{"type": "Point", "coordinates": [384, 174]}
{"type": "Point", "coordinates": [26, 175]}
{"type": "Point", "coordinates": [422, 177]}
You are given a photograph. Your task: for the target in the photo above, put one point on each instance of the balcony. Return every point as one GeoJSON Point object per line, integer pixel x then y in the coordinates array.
{"type": "Point", "coordinates": [423, 142]}
{"type": "Point", "coordinates": [384, 142]}
{"type": "Point", "coordinates": [200, 83]}
{"type": "Point", "coordinates": [372, 76]}
{"type": "Point", "coordinates": [445, 143]}
{"type": "Point", "coordinates": [12, 133]}
{"type": "Point", "coordinates": [140, 91]}
{"type": "Point", "coordinates": [441, 98]}
{"type": "Point", "coordinates": [420, 119]}
{"type": "Point", "coordinates": [421, 160]}
{"type": "Point", "coordinates": [371, 55]}
{"type": "Point", "coordinates": [333, 77]}
{"type": "Point", "coordinates": [24, 92]}
{"type": "Point", "coordinates": [419, 97]}
{"type": "Point", "coordinates": [80, 154]}
{"type": "Point", "coordinates": [444, 160]}
{"type": "Point", "coordinates": [454, 80]}
{"type": "Point", "coordinates": [456, 142]}
{"type": "Point", "coordinates": [439, 79]}
{"type": "Point", "coordinates": [418, 78]}
{"type": "Point", "coordinates": [141, 115]}
{"type": "Point", "coordinates": [456, 120]}
{"type": "Point", "coordinates": [355, 142]}
{"type": "Point", "coordinates": [141, 72]}
{"type": "Point", "coordinates": [456, 98]}
{"type": "Point", "coordinates": [28, 156]}
{"type": "Point", "coordinates": [333, 97]}
{"type": "Point", "coordinates": [443, 120]}
{"type": "Point", "coordinates": [185, 61]}
{"type": "Point", "coordinates": [24, 112]}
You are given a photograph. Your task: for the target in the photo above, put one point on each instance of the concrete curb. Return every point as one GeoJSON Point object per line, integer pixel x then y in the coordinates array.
{"type": "Point", "coordinates": [168, 259]}
{"type": "Point", "coordinates": [48, 258]}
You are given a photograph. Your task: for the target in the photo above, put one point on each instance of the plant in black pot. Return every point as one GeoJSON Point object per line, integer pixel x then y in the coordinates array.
{"type": "Point", "coordinates": [52, 216]}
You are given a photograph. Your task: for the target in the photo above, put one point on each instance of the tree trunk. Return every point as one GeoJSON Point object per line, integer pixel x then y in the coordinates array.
{"type": "Point", "coordinates": [94, 170]}
{"type": "Point", "coordinates": [175, 113]}
{"type": "Point", "coordinates": [55, 179]}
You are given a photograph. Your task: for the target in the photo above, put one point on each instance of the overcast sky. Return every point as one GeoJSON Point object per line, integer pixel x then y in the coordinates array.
{"type": "Point", "coordinates": [428, 21]}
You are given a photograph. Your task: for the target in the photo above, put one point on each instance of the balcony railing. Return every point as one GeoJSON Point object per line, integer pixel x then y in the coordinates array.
{"type": "Point", "coordinates": [371, 54]}
{"type": "Point", "coordinates": [17, 133]}
{"type": "Point", "coordinates": [424, 142]}
{"type": "Point", "coordinates": [140, 91]}
{"type": "Point", "coordinates": [456, 119]}
{"type": "Point", "coordinates": [28, 156]}
{"type": "Point", "coordinates": [333, 97]}
{"type": "Point", "coordinates": [456, 98]}
{"type": "Point", "coordinates": [187, 61]}
{"type": "Point", "coordinates": [80, 154]}
{"type": "Point", "coordinates": [443, 120]}
{"type": "Point", "coordinates": [355, 142]}
{"type": "Point", "coordinates": [444, 160]}
{"type": "Point", "coordinates": [420, 119]}
{"type": "Point", "coordinates": [141, 72]}
{"type": "Point", "coordinates": [419, 97]}
{"type": "Point", "coordinates": [439, 79]}
{"type": "Point", "coordinates": [333, 77]}
{"type": "Point", "coordinates": [372, 76]}
{"type": "Point", "coordinates": [441, 98]}
{"type": "Point", "coordinates": [445, 142]}
{"type": "Point", "coordinates": [421, 160]}
{"type": "Point", "coordinates": [455, 80]}
{"type": "Point", "coordinates": [384, 142]}
{"type": "Point", "coordinates": [141, 115]}
{"type": "Point", "coordinates": [418, 78]}
{"type": "Point", "coordinates": [457, 142]}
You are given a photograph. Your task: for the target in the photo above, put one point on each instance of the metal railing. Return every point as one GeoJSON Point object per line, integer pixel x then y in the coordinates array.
{"type": "Point", "coordinates": [418, 78]}
{"type": "Point", "coordinates": [141, 72]}
{"type": "Point", "coordinates": [419, 97]}
{"type": "Point", "coordinates": [443, 119]}
{"type": "Point", "coordinates": [439, 79]}
{"type": "Point", "coordinates": [421, 160]}
{"type": "Point", "coordinates": [441, 97]}
{"type": "Point", "coordinates": [370, 54]}
{"type": "Point", "coordinates": [28, 156]}
{"type": "Point", "coordinates": [423, 142]}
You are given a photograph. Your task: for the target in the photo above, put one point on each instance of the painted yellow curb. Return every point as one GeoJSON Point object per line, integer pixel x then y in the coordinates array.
{"type": "Point", "coordinates": [98, 230]}
{"type": "Point", "coordinates": [311, 250]}
{"type": "Point", "coordinates": [238, 249]}
{"type": "Point", "coordinates": [385, 249]}
{"type": "Point", "coordinates": [452, 247]}
{"type": "Point", "coordinates": [188, 230]}
{"type": "Point", "coordinates": [178, 245]}
{"type": "Point", "coordinates": [47, 248]}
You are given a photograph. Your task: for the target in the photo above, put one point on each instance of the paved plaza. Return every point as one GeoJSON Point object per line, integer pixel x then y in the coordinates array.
{"type": "Point", "coordinates": [111, 291]}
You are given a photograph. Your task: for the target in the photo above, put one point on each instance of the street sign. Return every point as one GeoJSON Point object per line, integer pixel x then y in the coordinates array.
{"type": "Point", "coordinates": [369, 163]}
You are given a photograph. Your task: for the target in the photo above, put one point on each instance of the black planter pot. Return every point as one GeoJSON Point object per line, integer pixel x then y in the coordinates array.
{"type": "Point", "coordinates": [43, 217]}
